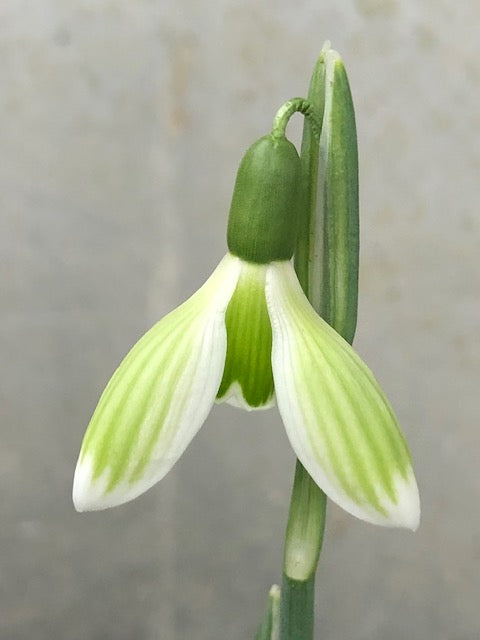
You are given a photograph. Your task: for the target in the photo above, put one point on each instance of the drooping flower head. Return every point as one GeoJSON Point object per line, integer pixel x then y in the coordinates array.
{"type": "Point", "coordinates": [250, 337]}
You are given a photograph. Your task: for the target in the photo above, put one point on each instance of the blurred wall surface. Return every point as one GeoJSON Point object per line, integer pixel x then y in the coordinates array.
{"type": "Point", "coordinates": [121, 127]}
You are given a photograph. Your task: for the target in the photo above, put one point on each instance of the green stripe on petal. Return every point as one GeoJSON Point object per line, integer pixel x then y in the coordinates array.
{"type": "Point", "coordinates": [247, 380]}
{"type": "Point", "coordinates": [337, 418]}
{"type": "Point", "coordinates": [157, 399]}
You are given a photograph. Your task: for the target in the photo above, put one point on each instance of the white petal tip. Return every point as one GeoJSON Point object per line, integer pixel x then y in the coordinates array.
{"type": "Point", "coordinates": [92, 495]}
{"type": "Point", "coordinates": [84, 496]}
{"type": "Point", "coordinates": [234, 397]}
{"type": "Point", "coordinates": [80, 491]}
{"type": "Point", "coordinates": [409, 518]}
{"type": "Point", "coordinates": [404, 513]}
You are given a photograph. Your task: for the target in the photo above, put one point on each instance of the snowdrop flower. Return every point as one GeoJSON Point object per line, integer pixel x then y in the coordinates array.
{"type": "Point", "coordinates": [249, 337]}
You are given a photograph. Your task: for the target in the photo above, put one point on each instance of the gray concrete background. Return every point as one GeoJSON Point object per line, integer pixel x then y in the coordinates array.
{"type": "Point", "coordinates": [121, 127]}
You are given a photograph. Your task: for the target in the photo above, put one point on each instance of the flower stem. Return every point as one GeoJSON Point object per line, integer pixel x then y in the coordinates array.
{"type": "Point", "coordinates": [326, 261]}
{"type": "Point", "coordinates": [296, 609]}
{"type": "Point", "coordinates": [286, 111]}
{"type": "Point", "coordinates": [306, 523]}
{"type": "Point", "coordinates": [326, 256]}
{"type": "Point", "coordinates": [303, 543]}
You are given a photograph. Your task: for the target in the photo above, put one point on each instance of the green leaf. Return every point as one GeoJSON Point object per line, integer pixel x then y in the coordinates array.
{"type": "Point", "coordinates": [270, 625]}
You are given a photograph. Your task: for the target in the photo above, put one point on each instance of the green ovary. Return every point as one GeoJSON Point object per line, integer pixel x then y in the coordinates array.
{"type": "Point", "coordinates": [249, 341]}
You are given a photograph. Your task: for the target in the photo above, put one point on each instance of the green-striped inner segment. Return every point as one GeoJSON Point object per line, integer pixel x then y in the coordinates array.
{"type": "Point", "coordinates": [249, 340]}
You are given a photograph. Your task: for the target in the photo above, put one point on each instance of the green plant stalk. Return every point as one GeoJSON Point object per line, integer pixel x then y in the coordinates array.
{"type": "Point", "coordinates": [326, 261]}
{"type": "Point", "coordinates": [296, 609]}
{"type": "Point", "coordinates": [303, 542]}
